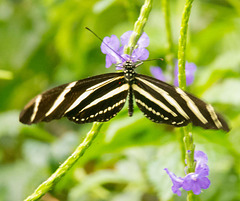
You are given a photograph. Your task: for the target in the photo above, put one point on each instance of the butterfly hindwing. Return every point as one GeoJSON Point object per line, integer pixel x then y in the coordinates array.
{"type": "Point", "coordinates": [79, 99]}
{"type": "Point", "coordinates": [164, 103]}
{"type": "Point", "coordinates": [154, 102]}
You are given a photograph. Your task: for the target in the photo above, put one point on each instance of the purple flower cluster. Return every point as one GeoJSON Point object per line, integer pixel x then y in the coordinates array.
{"type": "Point", "coordinates": [115, 53]}
{"type": "Point", "coordinates": [189, 70]}
{"type": "Point", "coordinates": [114, 50]}
{"type": "Point", "coordinates": [194, 181]}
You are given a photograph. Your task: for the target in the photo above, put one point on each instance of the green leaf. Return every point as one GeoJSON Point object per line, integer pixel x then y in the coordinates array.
{"type": "Point", "coordinates": [225, 92]}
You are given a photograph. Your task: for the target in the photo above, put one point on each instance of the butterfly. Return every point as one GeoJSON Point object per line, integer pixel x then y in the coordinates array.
{"type": "Point", "coordinates": [100, 98]}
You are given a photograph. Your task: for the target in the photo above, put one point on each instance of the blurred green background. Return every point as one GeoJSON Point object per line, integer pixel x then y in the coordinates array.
{"type": "Point", "coordinates": [44, 44]}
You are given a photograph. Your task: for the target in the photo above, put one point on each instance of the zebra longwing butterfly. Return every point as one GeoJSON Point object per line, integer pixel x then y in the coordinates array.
{"type": "Point", "coordinates": [100, 98]}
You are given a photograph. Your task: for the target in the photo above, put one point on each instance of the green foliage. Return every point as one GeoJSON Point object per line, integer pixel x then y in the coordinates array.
{"type": "Point", "coordinates": [44, 43]}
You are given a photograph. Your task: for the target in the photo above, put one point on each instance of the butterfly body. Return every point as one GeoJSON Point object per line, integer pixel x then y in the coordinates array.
{"type": "Point", "coordinates": [129, 76]}
{"type": "Point", "coordinates": [101, 97]}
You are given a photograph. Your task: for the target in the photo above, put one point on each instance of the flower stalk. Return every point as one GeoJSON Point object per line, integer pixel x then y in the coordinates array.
{"type": "Point", "coordinates": [182, 44]}
{"type": "Point", "coordinates": [188, 138]}
{"type": "Point", "coordinates": [170, 48]}
{"type": "Point", "coordinates": [67, 165]}
{"type": "Point", "coordinates": [139, 26]}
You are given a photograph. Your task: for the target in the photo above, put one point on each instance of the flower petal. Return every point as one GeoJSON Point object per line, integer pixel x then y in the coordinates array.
{"type": "Point", "coordinates": [126, 57]}
{"type": "Point", "coordinates": [202, 170]}
{"type": "Point", "coordinates": [140, 54]}
{"type": "Point", "coordinates": [191, 182]}
{"type": "Point", "coordinates": [143, 40]}
{"type": "Point", "coordinates": [196, 189]}
{"type": "Point", "coordinates": [176, 190]}
{"type": "Point", "coordinates": [188, 181]}
{"type": "Point", "coordinates": [111, 42]}
{"type": "Point", "coordinates": [177, 182]}
{"type": "Point", "coordinates": [110, 47]}
{"type": "Point", "coordinates": [176, 81]}
{"type": "Point", "coordinates": [108, 61]}
{"type": "Point", "coordinates": [204, 182]}
{"type": "Point", "coordinates": [200, 157]}
{"type": "Point", "coordinates": [125, 38]}
{"type": "Point", "coordinates": [157, 73]}
{"type": "Point", "coordinates": [190, 69]}
{"type": "Point", "coordinates": [121, 49]}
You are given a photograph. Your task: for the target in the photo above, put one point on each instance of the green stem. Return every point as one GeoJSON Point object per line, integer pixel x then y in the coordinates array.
{"type": "Point", "coordinates": [170, 61]}
{"type": "Point", "coordinates": [139, 26]}
{"type": "Point", "coordinates": [182, 44]}
{"type": "Point", "coordinates": [67, 165]}
{"type": "Point", "coordinates": [188, 138]}
{"type": "Point", "coordinates": [170, 49]}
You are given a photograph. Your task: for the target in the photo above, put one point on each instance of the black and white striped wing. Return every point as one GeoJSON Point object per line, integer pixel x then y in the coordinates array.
{"type": "Point", "coordinates": [163, 103]}
{"type": "Point", "coordinates": [97, 98]}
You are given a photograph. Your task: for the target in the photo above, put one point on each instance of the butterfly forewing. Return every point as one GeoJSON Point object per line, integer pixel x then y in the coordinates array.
{"type": "Point", "coordinates": [77, 99]}
{"type": "Point", "coordinates": [101, 105]}
{"type": "Point", "coordinates": [36, 109]}
{"type": "Point", "coordinates": [164, 103]}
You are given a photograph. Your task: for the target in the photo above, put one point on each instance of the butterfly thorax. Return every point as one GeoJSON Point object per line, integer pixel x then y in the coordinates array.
{"type": "Point", "coordinates": [129, 73]}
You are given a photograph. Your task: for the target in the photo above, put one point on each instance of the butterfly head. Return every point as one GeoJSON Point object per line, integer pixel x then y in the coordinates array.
{"type": "Point", "coordinates": [128, 64]}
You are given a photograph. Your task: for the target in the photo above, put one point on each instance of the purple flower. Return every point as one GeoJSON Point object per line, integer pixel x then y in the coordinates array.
{"type": "Point", "coordinates": [197, 180]}
{"type": "Point", "coordinates": [115, 53]}
{"type": "Point", "coordinates": [142, 42]}
{"type": "Point", "coordinates": [194, 181]}
{"type": "Point", "coordinates": [110, 47]}
{"type": "Point", "coordinates": [157, 73]}
{"type": "Point", "coordinates": [177, 182]}
{"type": "Point", "coordinates": [140, 54]}
{"type": "Point", "coordinates": [200, 157]}
{"type": "Point", "coordinates": [189, 69]}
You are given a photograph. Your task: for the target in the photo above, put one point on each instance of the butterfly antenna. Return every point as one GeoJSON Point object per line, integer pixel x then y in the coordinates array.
{"type": "Point", "coordinates": [104, 42]}
{"type": "Point", "coordinates": [154, 59]}
{"type": "Point", "coordinates": [142, 61]}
